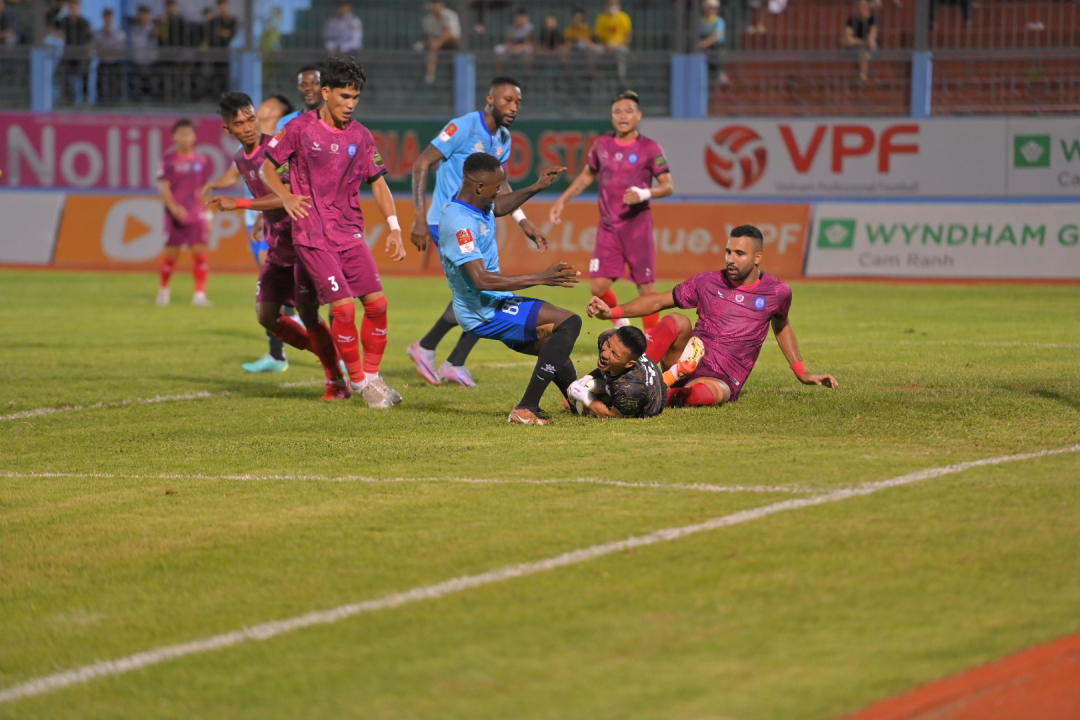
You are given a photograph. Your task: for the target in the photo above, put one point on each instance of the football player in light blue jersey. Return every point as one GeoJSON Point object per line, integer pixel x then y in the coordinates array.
{"type": "Point", "coordinates": [484, 302]}
{"type": "Point", "coordinates": [482, 131]}
{"type": "Point", "coordinates": [307, 82]}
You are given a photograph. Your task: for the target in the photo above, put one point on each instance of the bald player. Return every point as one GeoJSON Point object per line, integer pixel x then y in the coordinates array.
{"type": "Point", "coordinates": [735, 306]}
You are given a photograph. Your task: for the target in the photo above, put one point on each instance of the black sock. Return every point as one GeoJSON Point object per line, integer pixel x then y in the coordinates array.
{"type": "Point", "coordinates": [565, 375]}
{"type": "Point", "coordinates": [551, 361]}
{"type": "Point", "coordinates": [438, 331]}
{"type": "Point", "coordinates": [277, 346]}
{"type": "Point", "coordinates": [464, 346]}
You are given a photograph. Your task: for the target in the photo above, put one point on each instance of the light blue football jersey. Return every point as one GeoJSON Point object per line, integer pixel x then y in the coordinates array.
{"type": "Point", "coordinates": [467, 234]}
{"type": "Point", "coordinates": [286, 118]}
{"type": "Point", "coordinates": [461, 138]}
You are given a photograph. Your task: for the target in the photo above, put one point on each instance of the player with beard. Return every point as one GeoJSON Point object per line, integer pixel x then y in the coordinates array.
{"type": "Point", "coordinates": [310, 87]}
{"type": "Point", "coordinates": [330, 155]}
{"type": "Point", "coordinates": [735, 309]}
{"type": "Point", "coordinates": [280, 278]}
{"type": "Point", "coordinates": [485, 131]}
{"type": "Point", "coordinates": [625, 383]}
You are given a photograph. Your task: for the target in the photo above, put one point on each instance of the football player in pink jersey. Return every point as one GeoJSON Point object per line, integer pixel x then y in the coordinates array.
{"type": "Point", "coordinates": [181, 175]}
{"type": "Point", "coordinates": [626, 163]}
{"type": "Point", "coordinates": [280, 279]}
{"type": "Point", "coordinates": [736, 307]}
{"type": "Point", "coordinates": [330, 155]}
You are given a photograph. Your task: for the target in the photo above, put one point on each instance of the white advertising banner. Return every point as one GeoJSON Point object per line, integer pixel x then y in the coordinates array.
{"type": "Point", "coordinates": [853, 158]}
{"type": "Point", "coordinates": [30, 223]}
{"type": "Point", "coordinates": [1044, 157]}
{"type": "Point", "coordinates": [945, 240]}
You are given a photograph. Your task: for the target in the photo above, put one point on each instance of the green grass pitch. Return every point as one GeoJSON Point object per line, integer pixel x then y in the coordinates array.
{"type": "Point", "coordinates": [808, 614]}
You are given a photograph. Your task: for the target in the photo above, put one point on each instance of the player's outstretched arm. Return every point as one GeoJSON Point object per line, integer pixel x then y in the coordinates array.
{"type": "Point", "coordinates": [295, 205]}
{"type": "Point", "coordinates": [785, 338]}
{"type": "Point", "coordinates": [385, 200]}
{"type": "Point", "coordinates": [559, 274]}
{"type": "Point", "coordinates": [507, 203]}
{"type": "Point", "coordinates": [266, 202]}
{"type": "Point", "coordinates": [638, 307]}
{"type": "Point", "coordinates": [227, 180]}
{"type": "Point", "coordinates": [421, 235]}
{"type": "Point", "coordinates": [582, 181]}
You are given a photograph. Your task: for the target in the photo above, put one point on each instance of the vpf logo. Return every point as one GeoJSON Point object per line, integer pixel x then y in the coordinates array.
{"type": "Point", "coordinates": [736, 157]}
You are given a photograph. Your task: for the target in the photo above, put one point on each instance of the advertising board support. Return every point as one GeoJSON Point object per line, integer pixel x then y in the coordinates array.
{"type": "Point", "coordinates": [922, 80]}
{"type": "Point", "coordinates": [42, 70]}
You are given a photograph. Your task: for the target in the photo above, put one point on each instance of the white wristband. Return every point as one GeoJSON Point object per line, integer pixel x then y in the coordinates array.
{"type": "Point", "coordinates": [392, 221]}
{"type": "Point", "coordinates": [518, 215]}
{"type": "Point", "coordinates": [643, 194]}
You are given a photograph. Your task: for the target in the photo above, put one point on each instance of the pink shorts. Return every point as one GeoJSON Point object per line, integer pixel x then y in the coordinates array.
{"type": "Point", "coordinates": [630, 244]}
{"type": "Point", "coordinates": [277, 284]}
{"type": "Point", "coordinates": [337, 275]}
{"type": "Point", "coordinates": [178, 235]}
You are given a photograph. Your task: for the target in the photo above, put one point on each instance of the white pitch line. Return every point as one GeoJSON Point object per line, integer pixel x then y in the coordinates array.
{"type": "Point", "coordinates": [39, 412]}
{"type": "Point", "coordinates": [993, 344]}
{"type": "Point", "coordinates": [694, 487]}
{"type": "Point", "coordinates": [266, 631]}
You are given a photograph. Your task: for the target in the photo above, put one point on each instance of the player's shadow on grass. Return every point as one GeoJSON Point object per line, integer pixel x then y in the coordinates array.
{"type": "Point", "coordinates": [1069, 402]}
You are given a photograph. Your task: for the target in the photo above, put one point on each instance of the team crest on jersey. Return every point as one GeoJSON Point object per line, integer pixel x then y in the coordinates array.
{"type": "Point", "coordinates": [632, 158]}
{"type": "Point", "coordinates": [334, 148]}
{"type": "Point", "coordinates": [739, 298]}
{"type": "Point", "coordinates": [479, 146]}
{"type": "Point", "coordinates": [251, 174]}
{"type": "Point", "coordinates": [352, 150]}
{"type": "Point", "coordinates": [277, 138]}
{"type": "Point", "coordinates": [618, 156]}
{"type": "Point", "coordinates": [465, 241]}
{"type": "Point", "coordinates": [759, 303]}
{"type": "Point", "coordinates": [483, 228]}
{"type": "Point", "coordinates": [448, 133]}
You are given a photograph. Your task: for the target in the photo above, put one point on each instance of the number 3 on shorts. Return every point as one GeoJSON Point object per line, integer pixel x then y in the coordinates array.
{"type": "Point", "coordinates": [594, 265]}
{"type": "Point", "coordinates": [333, 283]}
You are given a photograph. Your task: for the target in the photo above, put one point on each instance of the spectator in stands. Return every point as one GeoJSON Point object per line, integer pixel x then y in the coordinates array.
{"type": "Point", "coordinates": [965, 9]}
{"type": "Point", "coordinates": [482, 7]}
{"type": "Point", "coordinates": [551, 35]}
{"type": "Point", "coordinates": [9, 26]}
{"type": "Point", "coordinates": [442, 31]}
{"type": "Point", "coordinates": [578, 35]}
{"type": "Point", "coordinates": [712, 32]}
{"type": "Point", "coordinates": [220, 33]}
{"type": "Point", "coordinates": [343, 33]}
{"type": "Point", "coordinates": [613, 29]}
{"type": "Point", "coordinates": [200, 32]}
{"type": "Point", "coordinates": [78, 38]}
{"type": "Point", "coordinates": [519, 39]}
{"type": "Point", "coordinates": [175, 34]}
{"type": "Point", "coordinates": [753, 10]}
{"type": "Point", "coordinates": [861, 35]}
{"type": "Point", "coordinates": [143, 53]}
{"type": "Point", "coordinates": [110, 46]}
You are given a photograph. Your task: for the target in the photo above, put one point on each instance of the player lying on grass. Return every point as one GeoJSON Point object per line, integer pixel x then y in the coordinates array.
{"type": "Point", "coordinates": [735, 308]}
{"type": "Point", "coordinates": [625, 383]}
{"type": "Point", "coordinates": [484, 303]}
{"type": "Point", "coordinates": [282, 280]}
{"type": "Point", "coordinates": [330, 155]}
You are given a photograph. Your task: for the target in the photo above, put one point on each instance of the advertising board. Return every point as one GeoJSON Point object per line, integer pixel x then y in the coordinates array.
{"type": "Point", "coordinates": [947, 240]}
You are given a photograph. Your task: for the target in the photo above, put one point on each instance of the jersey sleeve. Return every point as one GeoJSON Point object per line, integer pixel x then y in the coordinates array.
{"type": "Point", "coordinates": [594, 156]}
{"type": "Point", "coordinates": [686, 293]}
{"type": "Point", "coordinates": [452, 138]}
{"type": "Point", "coordinates": [283, 146]}
{"type": "Point", "coordinates": [783, 307]}
{"type": "Point", "coordinates": [207, 171]}
{"type": "Point", "coordinates": [457, 240]}
{"type": "Point", "coordinates": [164, 172]}
{"type": "Point", "coordinates": [285, 120]}
{"type": "Point", "coordinates": [505, 157]}
{"type": "Point", "coordinates": [659, 164]}
{"type": "Point", "coordinates": [374, 167]}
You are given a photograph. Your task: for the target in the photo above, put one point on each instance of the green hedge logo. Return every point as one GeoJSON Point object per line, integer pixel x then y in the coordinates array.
{"type": "Point", "coordinates": [836, 234]}
{"type": "Point", "coordinates": [1031, 151]}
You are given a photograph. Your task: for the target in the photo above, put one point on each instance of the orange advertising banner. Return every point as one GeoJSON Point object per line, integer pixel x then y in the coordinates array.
{"type": "Point", "coordinates": [690, 238]}
{"type": "Point", "coordinates": [102, 232]}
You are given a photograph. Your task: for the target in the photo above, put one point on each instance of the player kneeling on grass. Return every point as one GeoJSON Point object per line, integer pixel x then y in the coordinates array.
{"type": "Point", "coordinates": [483, 302]}
{"type": "Point", "coordinates": [282, 281]}
{"type": "Point", "coordinates": [735, 308]}
{"type": "Point", "coordinates": [625, 383]}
